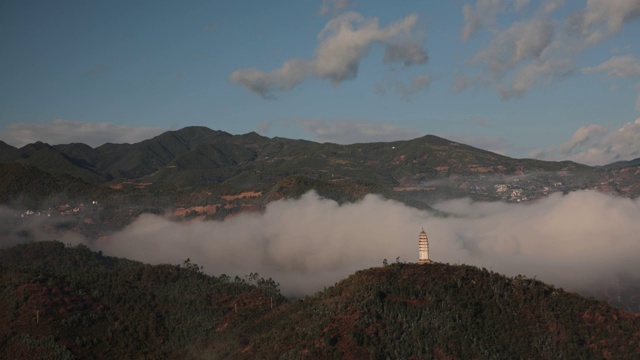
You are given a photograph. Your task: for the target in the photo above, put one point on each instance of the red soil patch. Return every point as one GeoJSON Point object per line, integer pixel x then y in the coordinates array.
{"type": "Point", "coordinates": [246, 194]}
{"type": "Point", "coordinates": [208, 209]}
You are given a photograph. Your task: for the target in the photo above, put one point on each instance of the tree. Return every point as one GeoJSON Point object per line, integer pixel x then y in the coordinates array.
{"type": "Point", "coordinates": [187, 264]}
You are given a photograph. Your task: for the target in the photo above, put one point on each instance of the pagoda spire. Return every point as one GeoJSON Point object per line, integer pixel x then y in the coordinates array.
{"type": "Point", "coordinates": [423, 248]}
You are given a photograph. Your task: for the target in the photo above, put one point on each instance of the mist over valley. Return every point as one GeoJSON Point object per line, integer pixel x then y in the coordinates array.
{"type": "Point", "coordinates": [338, 210]}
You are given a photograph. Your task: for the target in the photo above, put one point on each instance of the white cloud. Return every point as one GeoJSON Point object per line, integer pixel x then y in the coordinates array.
{"type": "Point", "coordinates": [350, 131]}
{"type": "Point", "coordinates": [290, 74]}
{"type": "Point", "coordinates": [408, 53]}
{"type": "Point", "coordinates": [573, 241]}
{"type": "Point", "coordinates": [603, 18]}
{"type": "Point", "coordinates": [343, 42]}
{"type": "Point", "coordinates": [580, 240]}
{"type": "Point", "coordinates": [527, 53]}
{"type": "Point", "coordinates": [346, 39]}
{"type": "Point", "coordinates": [537, 51]}
{"type": "Point", "coordinates": [617, 66]}
{"type": "Point", "coordinates": [15, 229]}
{"type": "Point", "coordinates": [484, 14]}
{"type": "Point", "coordinates": [304, 244]}
{"type": "Point", "coordinates": [584, 136]}
{"type": "Point", "coordinates": [68, 131]}
{"type": "Point", "coordinates": [595, 145]}
{"type": "Point", "coordinates": [334, 6]}
{"type": "Point", "coordinates": [473, 22]}
{"type": "Point", "coordinates": [535, 73]}
{"type": "Point", "coordinates": [523, 41]}
{"type": "Point", "coordinates": [550, 6]}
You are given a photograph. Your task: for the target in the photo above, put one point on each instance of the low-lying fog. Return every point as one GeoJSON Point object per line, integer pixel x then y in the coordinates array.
{"type": "Point", "coordinates": [575, 241]}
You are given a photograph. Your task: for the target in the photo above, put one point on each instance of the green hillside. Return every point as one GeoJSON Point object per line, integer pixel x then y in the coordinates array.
{"type": "Point", "coordinates": [418, 172]}
{"type": "Point", "coordinates": [198, 156]}
{"type": "Point", "coordinates": [61, 302]}
{"type": "Point", "coordinates": [27, 186]}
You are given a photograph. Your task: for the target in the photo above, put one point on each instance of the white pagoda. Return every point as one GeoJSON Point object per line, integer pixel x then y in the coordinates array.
{"type": "Point", "coordinates": [423, 248]}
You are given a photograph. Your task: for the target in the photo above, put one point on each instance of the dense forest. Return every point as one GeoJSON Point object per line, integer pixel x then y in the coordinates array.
{"type": "Point", "coordinates": [68, 302]}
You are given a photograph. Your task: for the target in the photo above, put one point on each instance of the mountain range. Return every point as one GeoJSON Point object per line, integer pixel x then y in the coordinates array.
{"type": "Point", "coordinates": [429, 167]}
{"type": "Point", "coordinates": [195, 156]}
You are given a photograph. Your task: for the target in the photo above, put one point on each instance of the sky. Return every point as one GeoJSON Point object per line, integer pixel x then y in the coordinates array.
{"type": "Point", "coordinates": [549, 79]}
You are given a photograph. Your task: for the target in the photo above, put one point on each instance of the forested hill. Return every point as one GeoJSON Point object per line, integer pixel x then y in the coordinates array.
{"type": "Point", "coordinates": [409, 311]}
{"type": "Point", "coordinates": [428, 168]}
{"type": "Point", "coordinates": [61, 302]}
{"type": "Point", "coordinates": [198, 156]}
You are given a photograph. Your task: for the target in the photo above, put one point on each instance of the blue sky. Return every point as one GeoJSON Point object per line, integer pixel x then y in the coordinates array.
{"type": "Point", "coordinates": [550, 79]}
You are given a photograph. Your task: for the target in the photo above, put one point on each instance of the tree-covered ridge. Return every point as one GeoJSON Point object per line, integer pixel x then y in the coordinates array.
{"type": "Point", "coordinates": [68, 302]}
{"type": "Point", "coordinates": [198, 156]}
{"type": "Point", "coordinates": [81, 304]}
{"type": "Point", "coordinates": [30, 186]}
{"type": "Point", "coordinates": [440, 311]}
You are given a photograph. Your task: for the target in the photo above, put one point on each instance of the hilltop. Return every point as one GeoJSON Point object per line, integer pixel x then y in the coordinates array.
{"type": "Point", "coordinates": [69, 302]}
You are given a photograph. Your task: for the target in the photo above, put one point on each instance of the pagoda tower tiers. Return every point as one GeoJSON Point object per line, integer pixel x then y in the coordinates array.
{"type": "Point", "coordinates": [423, 248]}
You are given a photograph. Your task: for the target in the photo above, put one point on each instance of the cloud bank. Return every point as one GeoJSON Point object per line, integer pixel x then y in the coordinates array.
{"type": "Point", "coordinates": [343, 42]}
{"type": "Point", "coordinates": [580, 241]}
{"type": "Point", "coordinates": [67, 131]}
{"type": "Point", "coordinates": [15, 229]}
{"type": "Point", "coordinates": [596, 145]}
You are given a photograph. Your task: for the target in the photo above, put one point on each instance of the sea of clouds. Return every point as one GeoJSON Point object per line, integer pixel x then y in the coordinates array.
{"type": "Point", "coordinates": [577, 241]}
